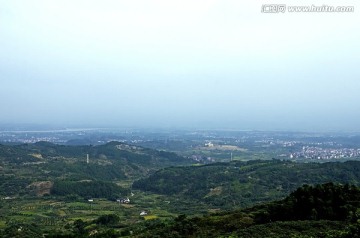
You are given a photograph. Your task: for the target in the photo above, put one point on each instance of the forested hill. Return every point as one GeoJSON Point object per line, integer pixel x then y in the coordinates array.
{"type": "Point", "coordinates": [40, 151]}
{"type": "Point", "coordinates": [326, 210]}
{"type": "Point", "coordinates": [241, 184]}
{"type": "Point", "coordinates": [45, 163]}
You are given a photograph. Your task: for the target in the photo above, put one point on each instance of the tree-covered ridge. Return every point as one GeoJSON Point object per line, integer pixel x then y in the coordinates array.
{"type": "Point", "coordinates": [320, 202]}
{"type": "Point", "coordinates": [113, 150]}
{"type": "Point", "coordinates": [88, 189]}
{"type": "Point", "coordinates": [326, 210]}
{"type": "Point", "coordinates": [240, 184]}
{"type": "Point", "coordinates": [21, 165]}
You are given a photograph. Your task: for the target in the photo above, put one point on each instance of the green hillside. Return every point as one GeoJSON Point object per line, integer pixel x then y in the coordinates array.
{"type": "Point", "coordinates": [34, 168]}
{"type": "Point", "coordinates": [53, 191]}
{"type": "Point", "coordinates": [241, 184]}
{"type": "Point", "coordinates": [326, 210]}
{"type": "Point", "coordinates": [321, 211]}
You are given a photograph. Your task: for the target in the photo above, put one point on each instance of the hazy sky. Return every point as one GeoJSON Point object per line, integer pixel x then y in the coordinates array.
{"type": "Point", "coordinates": [191, 63]}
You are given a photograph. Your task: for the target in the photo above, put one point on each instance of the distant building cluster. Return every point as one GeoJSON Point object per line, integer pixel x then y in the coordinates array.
{"type": "Point", "coordinates": [123, 200]}
{"type": "Point", "coordinates": [202, 159]}
{"type": "Point", "coordinates": [309, 152]}
{"type": "Point", "coordinates": [209, 144]}
{"type": "Point", "coordinates": [277, 142]}
{"type": "Point", "coordinates": [290, 143]}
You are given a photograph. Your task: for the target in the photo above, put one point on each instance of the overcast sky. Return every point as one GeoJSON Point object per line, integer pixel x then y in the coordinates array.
{"type": "Point", "coordinates": [181, 63]}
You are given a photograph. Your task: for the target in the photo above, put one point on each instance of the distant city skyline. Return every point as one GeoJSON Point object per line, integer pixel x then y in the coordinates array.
{"type": "Point", "coordinates": [207, 64]}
